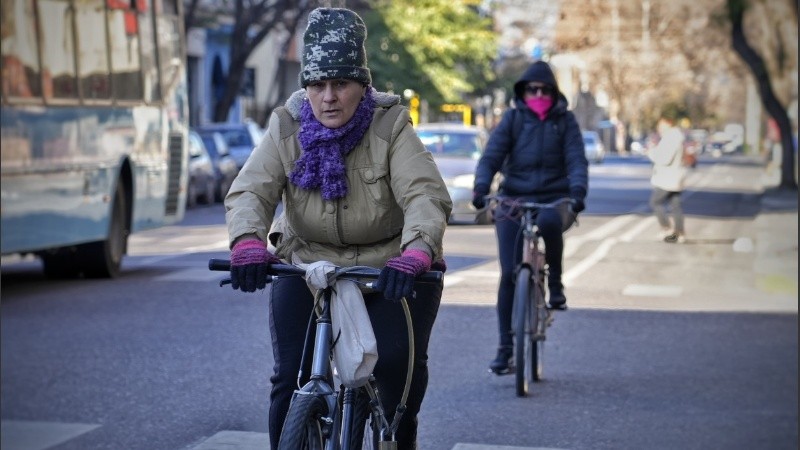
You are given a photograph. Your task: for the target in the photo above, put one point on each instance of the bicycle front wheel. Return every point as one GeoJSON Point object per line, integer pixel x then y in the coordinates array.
{"type": "Point", "coordinates": [302, 429]}
{"type": "Point", "coordinates": [526, 351]}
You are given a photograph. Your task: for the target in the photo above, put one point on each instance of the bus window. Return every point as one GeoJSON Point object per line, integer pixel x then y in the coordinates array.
{"type": "Point", "coordinates": [167, 7]}
{"type": "Point", "coordinates": [169, 51]}
{"type": "Point", "coordinates": [20, 59]}
{"type": "Point", "coordinates": [123, 31]}
{"type": "Point", "coordinates": [151, 85]}
{"type": "Point", "coordinates": [58, 50]}
{"type": "Point", "coordinates": [90, 23]}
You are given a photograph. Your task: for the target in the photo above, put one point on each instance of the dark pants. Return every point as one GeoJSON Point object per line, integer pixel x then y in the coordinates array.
{"type": "Point", "coordinates": [552, 223]}
{"type": "Point", "coordinates": [291, 305]}
{"type": "Point", "coordinates": [659, 198]}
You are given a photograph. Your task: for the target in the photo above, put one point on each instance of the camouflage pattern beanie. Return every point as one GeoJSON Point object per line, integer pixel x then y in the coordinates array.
{"type": "Point", "coordinates": [333, 47]}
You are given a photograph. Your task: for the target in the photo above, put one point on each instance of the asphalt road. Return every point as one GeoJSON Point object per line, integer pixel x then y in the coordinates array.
{"type": "Point", "coordinates": [664, 346]}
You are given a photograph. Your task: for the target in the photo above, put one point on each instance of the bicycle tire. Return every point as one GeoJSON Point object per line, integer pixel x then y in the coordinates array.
{"type": "Point", "coordinates": [523, 331]}
{"type": "Point", "coordinates": [364, 435]}
{"type": "Point", "coordinates": [302, 429]}
{"type": "Point", "coordinates": [538, 330]}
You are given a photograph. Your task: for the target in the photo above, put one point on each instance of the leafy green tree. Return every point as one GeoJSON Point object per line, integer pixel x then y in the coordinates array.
{"type": "Point", "coordinates": [441, 49]}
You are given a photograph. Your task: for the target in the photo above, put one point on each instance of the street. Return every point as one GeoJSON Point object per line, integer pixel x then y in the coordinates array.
{"type": "Point", "coordinates": [664, 346]}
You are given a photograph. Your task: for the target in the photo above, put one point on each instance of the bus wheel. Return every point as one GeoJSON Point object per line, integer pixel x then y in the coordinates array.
{"type": "Point", "coordinates": [103, 259]}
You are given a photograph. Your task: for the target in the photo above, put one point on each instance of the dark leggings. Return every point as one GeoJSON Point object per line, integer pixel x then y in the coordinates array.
{"type": "Point", "coordinates": [291, 306]}
{"type": "Point", "coordinates": [509, 249]}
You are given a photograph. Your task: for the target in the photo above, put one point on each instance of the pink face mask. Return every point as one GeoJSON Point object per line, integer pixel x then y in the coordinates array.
{"type": "Point", "coordinates": [539, 105]}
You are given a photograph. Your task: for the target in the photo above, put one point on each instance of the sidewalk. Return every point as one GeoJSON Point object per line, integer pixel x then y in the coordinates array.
{"type": "Point", "coordinates": [775, 264]}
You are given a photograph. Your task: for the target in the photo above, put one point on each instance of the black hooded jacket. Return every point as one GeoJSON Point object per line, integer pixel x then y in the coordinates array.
{"type": "Point", "coordinates": [542, 159]}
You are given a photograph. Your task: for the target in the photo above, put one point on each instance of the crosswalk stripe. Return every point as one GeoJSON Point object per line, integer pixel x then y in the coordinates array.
{"type": "Point", "coordinates": [235, 440]}
{"type": "Point", "coordinates": [30, 435]}
{"type": "Point", "coordinates": [245, 440]}
{"type": "Point", "coordinates": [497, 447]}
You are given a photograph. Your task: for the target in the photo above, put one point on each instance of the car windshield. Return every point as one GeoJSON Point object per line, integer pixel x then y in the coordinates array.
{"type": "Point", "coordinates": [450, 143]}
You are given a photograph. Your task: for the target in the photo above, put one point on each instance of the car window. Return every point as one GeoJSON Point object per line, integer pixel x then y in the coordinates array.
{"type": "Point", "coordinates": [211, 143]}
{"type": "Point", "coordinates": [195, 146]}
{"type": "Point", "coordinates": [450, 144]}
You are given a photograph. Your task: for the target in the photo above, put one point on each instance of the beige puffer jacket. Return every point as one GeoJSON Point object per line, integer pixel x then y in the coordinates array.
{"type": "Point", "coordinates": [396, 195]}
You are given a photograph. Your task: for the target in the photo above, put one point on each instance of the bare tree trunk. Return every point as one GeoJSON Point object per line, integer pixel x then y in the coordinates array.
{"type": "Point", "coordinates": [771, 103]}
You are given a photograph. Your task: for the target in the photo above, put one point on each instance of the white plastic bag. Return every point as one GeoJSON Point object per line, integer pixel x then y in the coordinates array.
{"type": "Point", "coordinates": [355, 351]}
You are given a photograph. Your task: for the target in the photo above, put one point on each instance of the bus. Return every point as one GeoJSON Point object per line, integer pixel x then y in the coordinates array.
{"type": "Point", "coordinates": [93, 143]}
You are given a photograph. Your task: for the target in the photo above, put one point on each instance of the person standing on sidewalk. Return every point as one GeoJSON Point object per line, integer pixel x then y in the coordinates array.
{"type": "Point", "coordinates": [669, 175]}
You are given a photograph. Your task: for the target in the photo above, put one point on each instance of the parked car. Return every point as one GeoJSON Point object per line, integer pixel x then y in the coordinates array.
{"type": "Point", "coordinates": [202, 181]}
{"type": "Point", "coordinates": [241, 138]}
{"type": "Point", "coordinates": [595, 150]}
{"type": "Point", "coordinates": [456, 149]}
{"type": "Point", "coordinates": [225, 168]}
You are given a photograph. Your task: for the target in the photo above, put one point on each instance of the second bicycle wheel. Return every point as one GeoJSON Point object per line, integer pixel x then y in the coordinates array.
{"type": "Point", "coordinates": [302, 429]}
{"type": "Point", "coordinates": [538, 327]}
{"type": "Point", "coordinates": [526, 353]}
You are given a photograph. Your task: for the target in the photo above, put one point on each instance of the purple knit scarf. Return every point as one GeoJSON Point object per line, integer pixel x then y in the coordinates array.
{"type": "Point", "coordinates": [321, 164]}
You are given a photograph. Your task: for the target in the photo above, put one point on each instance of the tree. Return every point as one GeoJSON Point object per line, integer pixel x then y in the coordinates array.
{"type": "Point", "coordinates": [442, 49]}
{"type": "Point", "coordinates": [736, 10]}
{"type": "Point", "coordinates": [253, 20]}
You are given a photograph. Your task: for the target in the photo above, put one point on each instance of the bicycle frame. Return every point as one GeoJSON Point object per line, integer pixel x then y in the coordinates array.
{"type": "Point", "coordinates": [533, 256]}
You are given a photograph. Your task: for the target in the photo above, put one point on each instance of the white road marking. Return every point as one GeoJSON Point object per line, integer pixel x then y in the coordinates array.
{"type": "Point", "coordinates": [497, 447]}
{"type": "Point", "coordinates": [235, 440]}
{"type": "Point", "coordinates": [652, 290]}
{"type": "Point", "coordinates": [29, 435]}
{"type": "Point", "coordinates": [243, 440]}
{"type": "Point", "coordinates": [585, 264]}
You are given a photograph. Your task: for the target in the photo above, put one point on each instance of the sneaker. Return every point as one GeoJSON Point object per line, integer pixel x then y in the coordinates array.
{"type": "Point", "coordinates": [557, 298]}
{"type": "Point", "coordinates": [675, 238]}
{"type": "Point", "coordinates": [501, 364]}
{"type": "Point", "coordinates": [664, 233]}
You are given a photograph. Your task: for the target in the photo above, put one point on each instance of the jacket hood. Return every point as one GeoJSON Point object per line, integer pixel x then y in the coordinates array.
{"type": "Point", "coordinates": [539, 71]}
{"type": "Point", "coordinates": [382, 100]}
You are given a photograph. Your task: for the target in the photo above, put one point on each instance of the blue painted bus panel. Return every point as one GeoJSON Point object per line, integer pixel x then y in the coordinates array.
{"type": "Point", "coordinates": [58, 181]}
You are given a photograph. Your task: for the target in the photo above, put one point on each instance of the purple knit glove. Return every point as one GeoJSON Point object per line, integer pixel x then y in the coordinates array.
{"type": "Point", "coordinates": [397, 277]}
{"type": "Point", "coordinates": [250, 261]}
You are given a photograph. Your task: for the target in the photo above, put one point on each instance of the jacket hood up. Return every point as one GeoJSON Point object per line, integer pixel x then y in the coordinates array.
{"type": "Point", "coordinates": [539, 71]}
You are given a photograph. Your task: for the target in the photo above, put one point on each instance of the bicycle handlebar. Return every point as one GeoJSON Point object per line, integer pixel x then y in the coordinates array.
{"type": "Point", "coordinates": [529, 205]}
{"type": "Point", "coordinates": [224, 265]}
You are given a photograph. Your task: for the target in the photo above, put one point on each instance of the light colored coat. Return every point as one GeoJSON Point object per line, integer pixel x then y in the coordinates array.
{"type": "Point", "coordinates": [396, 195]}
{"type": "Point", "coordinates": [669, 173]}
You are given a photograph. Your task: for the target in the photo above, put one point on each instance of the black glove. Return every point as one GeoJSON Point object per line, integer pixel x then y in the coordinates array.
{"type": "Point", "coordinates": [576, 205]}
{"type": "Point", "coordinates": [250, 261]}
{"type": "Point", "coordinates": [396, 279]}
{"type": "Point", "coordinates": [478, 194]}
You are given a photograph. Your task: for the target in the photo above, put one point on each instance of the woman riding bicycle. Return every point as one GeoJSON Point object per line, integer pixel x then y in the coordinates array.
{"type": "Point", "coordinates": [538, 147]}
{"type": "Point", "coordinates": [358, 188]}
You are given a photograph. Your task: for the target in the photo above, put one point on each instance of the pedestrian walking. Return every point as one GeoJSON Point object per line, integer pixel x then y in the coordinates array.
{"type": "Point", "coordinates": [668, 178]}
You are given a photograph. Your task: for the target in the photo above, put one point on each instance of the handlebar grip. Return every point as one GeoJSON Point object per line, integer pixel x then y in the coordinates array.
{"type": "Point", "coordinates": [222, 265]}
{"type": "Point", "coordinates": [434, 276]}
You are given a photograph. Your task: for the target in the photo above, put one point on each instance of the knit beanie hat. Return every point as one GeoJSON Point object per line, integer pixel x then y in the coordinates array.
{"type": "Point", "coordinates": [333, 47]}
